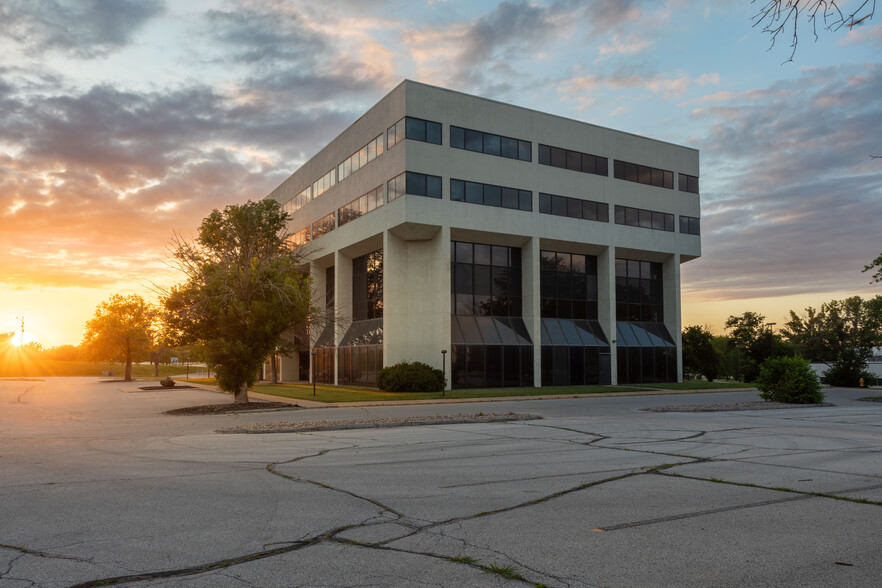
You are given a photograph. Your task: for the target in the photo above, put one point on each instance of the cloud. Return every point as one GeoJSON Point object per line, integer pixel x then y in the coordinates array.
{"type": "Point", "coordinates": [83, 28]}
{"type": "Point", "coordinates": [481, 56]}
{"type": "Point", "coordinates": [790, 199]}
{"type": "Point", "coordinates": [582, 89]}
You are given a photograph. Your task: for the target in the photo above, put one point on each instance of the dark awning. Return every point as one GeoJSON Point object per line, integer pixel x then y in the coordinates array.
{"type": "Point", "coordinates": [369, 332]}
{"type": "Point", "coordinates": [633, 334]}
{"type": "Point", "coordinates": [488, 330]}
{"type": "Point", "coordinates": [573, 333]}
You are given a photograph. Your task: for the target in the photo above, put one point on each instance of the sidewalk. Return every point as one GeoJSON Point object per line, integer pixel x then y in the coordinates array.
{"type": "Point", "coordinates": [314, 404]}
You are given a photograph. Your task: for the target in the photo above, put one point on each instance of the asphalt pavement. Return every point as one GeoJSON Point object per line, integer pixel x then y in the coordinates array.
{"type": "Point", "coordinates": [99, 487]}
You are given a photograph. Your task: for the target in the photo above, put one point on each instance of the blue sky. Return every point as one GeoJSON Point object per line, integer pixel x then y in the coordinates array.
{"type": "Point", "coordinates": [122, 121]}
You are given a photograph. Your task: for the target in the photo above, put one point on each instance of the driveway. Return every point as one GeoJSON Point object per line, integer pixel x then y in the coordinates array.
{"type": "Point", "coordinates": [99, 487]}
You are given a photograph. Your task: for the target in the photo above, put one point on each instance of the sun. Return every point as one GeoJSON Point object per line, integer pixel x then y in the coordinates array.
{"type": "Point", "coordinates": [21, 339]}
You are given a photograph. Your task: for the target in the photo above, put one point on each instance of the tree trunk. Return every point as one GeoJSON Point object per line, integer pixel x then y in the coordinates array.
{"type": "Point", "coordinates": [241, 394]}
{"type": "Point", "coordinates": [128, 377]}
{"type": "Point", "coordinates": [156, 370]}
{"type": "Point", "coordinates": [275, 364]}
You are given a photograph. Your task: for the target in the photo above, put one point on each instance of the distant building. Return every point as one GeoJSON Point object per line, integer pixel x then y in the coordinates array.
{"type": "Point", "coordinates": [534, 249]}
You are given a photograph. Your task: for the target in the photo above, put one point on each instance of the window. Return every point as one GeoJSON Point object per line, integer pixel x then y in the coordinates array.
{"type": "Point", "coordinates": [573, 160]}
{"type": "Point", "coordinates": [643, 174]}
{"type": "Point", "coordinates": [491, 144]}
{"type": "Point", "coordinates": [639, 291]}
{"type": "Point", "coordinates": [367, 286]}
{"type": "Point", "coordinates": [688, 183]}
{"type": "Point", "coordinates": [568, 285]}
{"type": "Point", "coordinates": [297, 202]}
{"type": "Point", "coordinates": [647, 219]}
{"type": "Point", "coordinates": [689, 225]}
{"type": "Point", "coordinates": [573, 207]}
{"type": "Point", "coordinates": [361, 205]}
{"type": "Point", "coordinates": [491, 344]}
{"type": "Point", "coordinates": [414, 183]}
{"type": "Point", "coordinates": [301, 237]}
{"type": "Point", "coordinates": [416, 129]}
{"type": "Point", "coordinates": [360, 158]}
{"type": "Point", "coordinates": [485, 279]}
{"type": "Point", "coordinates": [323, 225]}
{"type": "Point", "coordinates": [490, 195]}
{"type": "Point", "coordinates": [324, 183]}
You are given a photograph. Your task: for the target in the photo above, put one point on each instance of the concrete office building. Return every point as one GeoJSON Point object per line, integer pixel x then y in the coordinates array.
{"type": "Point", "coordinates": [533, 249]}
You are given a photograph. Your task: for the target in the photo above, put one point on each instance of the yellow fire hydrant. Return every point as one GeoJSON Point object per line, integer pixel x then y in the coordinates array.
{"type": "Point", "coordinates": [861, 382]}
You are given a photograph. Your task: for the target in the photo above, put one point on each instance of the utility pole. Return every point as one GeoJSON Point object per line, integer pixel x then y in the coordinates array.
{"type": "Point", "coordinates": [21, 337]}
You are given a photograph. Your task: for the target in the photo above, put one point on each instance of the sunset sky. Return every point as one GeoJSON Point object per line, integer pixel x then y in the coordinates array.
{"type": "Point", "coordinates": [122, 121]}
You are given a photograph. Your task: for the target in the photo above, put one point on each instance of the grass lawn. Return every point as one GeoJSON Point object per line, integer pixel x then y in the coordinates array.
{"type": "Point", "coordinates": [326, 393]}
{"type": "Point", "coordinates": [700, 385]}
{"type": "Point", "coordinates": [872, 398]}
{"type": "Point", "coordinates": [21, 365]}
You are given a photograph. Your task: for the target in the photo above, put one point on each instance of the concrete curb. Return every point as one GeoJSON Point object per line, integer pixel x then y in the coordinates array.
{"type": "Point", "coordinates": [409, 423]}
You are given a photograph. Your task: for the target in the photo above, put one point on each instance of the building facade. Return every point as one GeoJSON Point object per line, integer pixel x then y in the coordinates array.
{"type": "Point", "coordinates": [529, 248]}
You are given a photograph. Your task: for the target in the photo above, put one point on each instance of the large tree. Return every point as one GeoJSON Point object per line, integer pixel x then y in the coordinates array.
{"type": "Point", "coordinates": [244, 290]}
{"type": "Point", "coordinates": [699, 354]}
{"type": "Point", "coordinates": [750, 334]}
{"type": "Point", "coordinates": [121, 330]}
{"type": "Point", "coordinates": [841, 334]}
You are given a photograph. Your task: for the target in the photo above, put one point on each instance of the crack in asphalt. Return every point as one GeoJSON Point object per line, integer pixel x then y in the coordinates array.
{"type": "Point", "coordinates": [437, 527]}
{"type": "Point", "coordinates": [699, 513]}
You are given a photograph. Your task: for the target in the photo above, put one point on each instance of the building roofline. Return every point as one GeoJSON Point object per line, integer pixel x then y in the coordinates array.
{"type": "Point", "coordinates": [542, 112]}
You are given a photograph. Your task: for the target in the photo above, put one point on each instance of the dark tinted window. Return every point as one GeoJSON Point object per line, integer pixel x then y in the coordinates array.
{"type": "Point", "coordinates": [647, 219]}
{"type": "Point", "coordinates": [490, 144]}
{"type": "Point", "coordinates": [491, 195]}
{"type": "Point", "coordinates": [572, 160]}
{"type": "Point", "coordinates": [643, 174]}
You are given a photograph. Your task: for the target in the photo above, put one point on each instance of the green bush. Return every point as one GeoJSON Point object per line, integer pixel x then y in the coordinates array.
{"type": "Point", "coordinates": [167, 382]}
{"type": "Point", "coordinates": [789, 379]}
{"type": "Point", "coordinates": [410, 377]}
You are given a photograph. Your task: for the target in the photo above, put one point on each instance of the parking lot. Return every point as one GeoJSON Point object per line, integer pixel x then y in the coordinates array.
{"type": "Point", "coordinates": [99, 487]}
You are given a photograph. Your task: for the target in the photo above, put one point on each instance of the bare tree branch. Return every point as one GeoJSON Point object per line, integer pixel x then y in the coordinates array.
{"type": "Point", "coordinates": [776, 16]}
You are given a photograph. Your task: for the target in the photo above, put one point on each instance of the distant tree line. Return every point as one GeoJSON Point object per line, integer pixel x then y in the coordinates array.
{"type": "Point", "coordinates": [841, 334]}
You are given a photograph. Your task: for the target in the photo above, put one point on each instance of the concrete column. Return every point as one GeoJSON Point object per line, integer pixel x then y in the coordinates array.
{"type": "Point", "coordinates": [530, 267]}
{"type": "Point", "coordinates": [416, 298]}
{"type": "Point", "coordinates": [606, 304]}
{"type": "Point", "coordinates": [342, 302]}
{"type": "Point", "coordinates": [672, 308]}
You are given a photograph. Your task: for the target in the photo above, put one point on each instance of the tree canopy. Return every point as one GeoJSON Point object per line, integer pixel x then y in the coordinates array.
{"type": "Point", "coordinates": [699, 354]}
{"type": "Point", "coordinates": [842, 334]}
{"type": "Point", "coordinates": [876, 264]}
{"type": "Point", "coordinates": [121, 330]}
{"type": "Point", "coordinates": [244, 290]}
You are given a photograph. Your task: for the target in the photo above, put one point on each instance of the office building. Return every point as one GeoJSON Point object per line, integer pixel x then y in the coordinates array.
{"type": "Point", "coordinates": [531, 248]}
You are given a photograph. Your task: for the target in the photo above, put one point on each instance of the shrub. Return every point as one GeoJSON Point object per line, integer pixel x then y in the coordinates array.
{"type": "Point", "coordinates": [410, 377]}
{"type": "Point", "coordinates": [789, 379]}
{"type": "Point", "coordinates": [167, 382]}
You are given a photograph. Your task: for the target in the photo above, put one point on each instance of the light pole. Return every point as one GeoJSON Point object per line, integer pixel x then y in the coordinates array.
{"type": "Point", "coordinates": [313, 371]}
{"type": "Point", "coordinates": [443, 370]}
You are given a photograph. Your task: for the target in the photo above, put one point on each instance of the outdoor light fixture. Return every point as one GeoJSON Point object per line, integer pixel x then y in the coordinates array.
{"type": "Point", "coordinates": [313, 371]}
{"type": "Point", "coordinates": [443, 370]}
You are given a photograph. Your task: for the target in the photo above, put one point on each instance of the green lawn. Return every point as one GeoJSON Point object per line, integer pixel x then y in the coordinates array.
{"type": "Point", "coordinates": [326, 393]}
{"type": "Point", "coordinates": [22, 366]}
{"type": "Point", "coordinates": [700, 385]}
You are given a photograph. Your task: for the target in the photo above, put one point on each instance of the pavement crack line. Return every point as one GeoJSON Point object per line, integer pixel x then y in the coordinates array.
{"type": "Point", "coordinates": [47, 555]}
{"type": "Point", "coordinates": [805, 493]}
{"type": "Point", "coordinates": [463, 560]}
{"type": "Point", "coordinates": [700, 513]}
{"type": "Point", "coordinates": [271, 469]}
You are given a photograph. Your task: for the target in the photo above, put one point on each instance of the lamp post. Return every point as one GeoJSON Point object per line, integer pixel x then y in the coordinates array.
{"type": "Point", "coordinates": [443, 370]}
{"type": "Point", "coordinates": [313, 371]}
